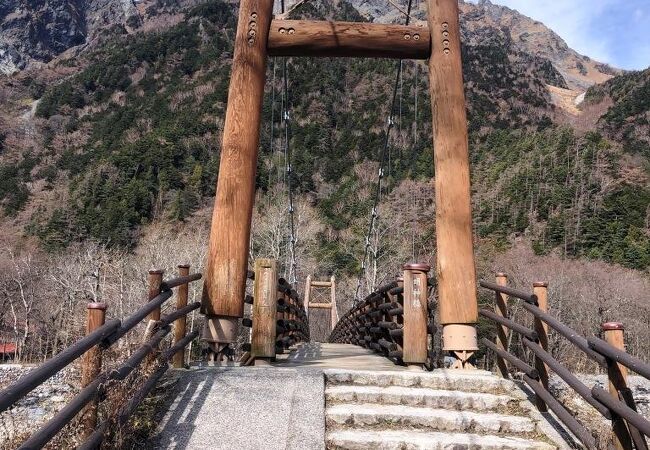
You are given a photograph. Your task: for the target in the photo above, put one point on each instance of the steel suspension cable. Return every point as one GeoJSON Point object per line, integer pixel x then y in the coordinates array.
{"type": "Point", "coordinates": [292, 269]}
{"type": "Point", "coordinates": [374, 216]}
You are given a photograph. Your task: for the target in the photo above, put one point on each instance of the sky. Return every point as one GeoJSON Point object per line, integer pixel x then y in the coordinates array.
{"type": "Point", "coordinates": [611, 31]}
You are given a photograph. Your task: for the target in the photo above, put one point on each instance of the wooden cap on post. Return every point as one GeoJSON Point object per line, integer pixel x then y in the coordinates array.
{"type": "Point", "coordinates": [540, 284]}
{"type": "Point", "coordinates": [613, 326]}
{"type": "Point", "coordinates": [100, 306]}
{"type": "Point", "coordinates": [420, 267]}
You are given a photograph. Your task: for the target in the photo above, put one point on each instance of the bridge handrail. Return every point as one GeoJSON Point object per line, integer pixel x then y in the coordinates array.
{"type": "Point", "coordinates": [103, 337]}
{"type": "Point", "coordinates": [377, 323]}
{"type": "Point", "coordinates": [608, 404]}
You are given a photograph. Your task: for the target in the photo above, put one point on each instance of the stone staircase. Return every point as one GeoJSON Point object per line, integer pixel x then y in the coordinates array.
{"type": "Point", "coordinates": [403, 410]}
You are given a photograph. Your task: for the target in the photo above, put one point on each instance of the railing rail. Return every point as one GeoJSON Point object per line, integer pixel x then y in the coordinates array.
{"type": "Point", "coordinates": [99, 337]}
{"type": "Point", "coordinates": [617, 405]}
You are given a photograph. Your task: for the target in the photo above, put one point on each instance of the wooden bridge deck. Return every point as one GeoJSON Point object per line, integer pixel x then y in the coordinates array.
{"type": "Point", "coordinates": [317, 355]}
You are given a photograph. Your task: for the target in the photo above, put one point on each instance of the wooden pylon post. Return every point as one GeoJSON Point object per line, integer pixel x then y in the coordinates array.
{"type": "Point", "coordinates": [264, 311]}
{"type": "Point", "coordinates": [540, 289]}
{"type": "Point", "coordinates": [416, 315]}
{"type": "Point", "coordinates": [91, 367]}
{"type": "Point", "coordinates": [181, 323]}
{"type": "Point", "coordinates": [503, 333]}
{"type": "Point", "coordinates": [227, 264]}
{"type": "Point", "coordinates": [455, 252]}
{"type": "Point", "coordinates": [617, 373]}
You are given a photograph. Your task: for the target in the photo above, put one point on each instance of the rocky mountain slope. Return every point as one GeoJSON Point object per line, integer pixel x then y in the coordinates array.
{"type": "Point", "coordinates": [40, 30]}
{"type": "Point", "coordinates": [123, 131]}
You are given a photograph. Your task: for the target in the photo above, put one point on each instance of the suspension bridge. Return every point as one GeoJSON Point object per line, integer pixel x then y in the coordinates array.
{"type": "Point", "coordinates": [372, 378]}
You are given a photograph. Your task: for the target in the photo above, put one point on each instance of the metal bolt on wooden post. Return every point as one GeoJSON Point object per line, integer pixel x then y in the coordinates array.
{"type": "Point", "coordinates": [540, 289]}
{"type": "Point", "coordinates": [503, 333]}
{"type": "Point", "coordinates": [264, 311]}
{"type": "Point", "coordinates": [415, 314]}
{"type": "Point", "coordinates": [91, 367]}
{"type": "Point", "coordinates": [181, 323]}
{"type": "Point", "coordinates": [617, 373]}
{"type": "Point", "coordinates": [154, 280]}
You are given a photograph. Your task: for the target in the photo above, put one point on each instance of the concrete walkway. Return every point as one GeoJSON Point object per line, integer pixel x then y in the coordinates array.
{"type": "Point", "coordinates": [243, 408]}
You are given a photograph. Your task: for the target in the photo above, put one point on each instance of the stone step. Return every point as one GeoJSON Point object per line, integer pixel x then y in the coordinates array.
{"type": "Point", "coordinates": [452, 380]}
{"type": "Point", "coordinates": [432, 398]}
{"type": "Point", "coordinates": [418, 440]}
{"type": "Point", "coordinates": [372, 415]}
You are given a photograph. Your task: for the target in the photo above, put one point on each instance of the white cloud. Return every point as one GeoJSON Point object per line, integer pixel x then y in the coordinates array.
{"type": "Point", "coordinates": [638, 15]}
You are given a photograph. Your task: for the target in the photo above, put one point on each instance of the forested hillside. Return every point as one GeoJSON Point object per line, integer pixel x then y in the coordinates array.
{"type": "Point", "coordinates": [127, 134]}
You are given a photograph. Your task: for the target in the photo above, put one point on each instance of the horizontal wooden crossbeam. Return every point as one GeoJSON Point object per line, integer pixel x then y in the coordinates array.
{"type": "Point", "coordinates": [320, 305]}
{"type": "Point", "coordinates": [348, 39]}
{"type": "Point", "coordinates": [321, 284]}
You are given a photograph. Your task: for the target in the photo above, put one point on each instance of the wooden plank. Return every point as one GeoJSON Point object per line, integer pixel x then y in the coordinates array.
{"type": "Point", "coordinates": [348, 39]}
{"type": "Point", "coordinates": [225, 278]}
{"type": "Point", "coordinates": [320, 305]}
{"type": "Point", "coordinates": [321, 283]}
{"type": "Point", "coordinates": [415, 314]}
{"type": "Point", "coordinates": [455, 254]}
{"type": "Point", "coordinates": [264, 309]}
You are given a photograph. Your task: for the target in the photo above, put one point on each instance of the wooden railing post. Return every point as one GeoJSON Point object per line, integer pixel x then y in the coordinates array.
{"type": "Point", "coordinates": [503, 333]}
{"type": "Point", "coordinates": [91, 367]}
{"type": "Point", "coordinates": [540, 289]}
{"type": "Point", "coordinates": [264, 311]}
{"type": "Point", "coordinates": [415, 314]}
{"type": "Point", "coordinates": [181, 323]}
{"type": "Point", "coordinates": [334, 311]}
{"type": "Point", "coordinates": [154, 280]}
{"type": "Point", "coordinates": [617, 373]}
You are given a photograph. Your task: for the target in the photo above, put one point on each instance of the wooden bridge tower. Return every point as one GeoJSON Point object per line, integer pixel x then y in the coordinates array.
{"type": "Point", "coordinates": [320, 296]}
{"type": "Point", "coordinates": [259, 36]}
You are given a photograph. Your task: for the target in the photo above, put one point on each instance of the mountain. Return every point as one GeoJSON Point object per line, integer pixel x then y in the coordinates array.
{"type": "Point", "coordinates": [39, 30]}
{"type": "Point", "coordinates": [122, 131]}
